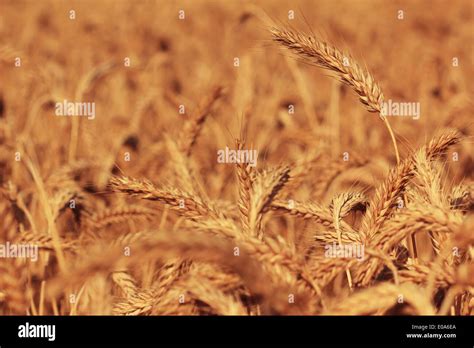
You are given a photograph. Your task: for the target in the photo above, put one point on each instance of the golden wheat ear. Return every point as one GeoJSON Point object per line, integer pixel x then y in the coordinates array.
{"type": "Point", "coordinates": [386, 196]}
{"type": "Point", "coordinates": [344, 67]}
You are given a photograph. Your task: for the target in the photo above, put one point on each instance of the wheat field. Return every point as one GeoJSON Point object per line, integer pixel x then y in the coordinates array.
{"type": "Point", "coordinates": [236, 157]}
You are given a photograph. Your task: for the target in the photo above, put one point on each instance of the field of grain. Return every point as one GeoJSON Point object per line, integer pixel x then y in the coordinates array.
{"type": "Point", "coordinates": [236, 157]}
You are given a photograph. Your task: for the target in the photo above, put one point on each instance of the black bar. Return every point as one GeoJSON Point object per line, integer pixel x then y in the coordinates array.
{"type": "Point", "coordinates": [345, 331]}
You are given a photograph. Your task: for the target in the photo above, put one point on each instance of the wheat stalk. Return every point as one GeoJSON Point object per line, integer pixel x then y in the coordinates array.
{"type": "Point", "coordinates": [346, 69]}
{"type": "Point", "coordinates": [386, 195]}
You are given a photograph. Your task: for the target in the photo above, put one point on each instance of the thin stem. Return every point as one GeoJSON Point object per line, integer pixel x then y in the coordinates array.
{"type": "Point", "coordinates": [392, 135]}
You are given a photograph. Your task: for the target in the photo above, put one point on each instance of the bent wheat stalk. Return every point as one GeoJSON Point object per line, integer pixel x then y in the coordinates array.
{"type": "Point", "coordinates": [346, 69]}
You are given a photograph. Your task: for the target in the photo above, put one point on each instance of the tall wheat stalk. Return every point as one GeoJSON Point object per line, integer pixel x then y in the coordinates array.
{"type": "Point", "coordinates": [344, 66]}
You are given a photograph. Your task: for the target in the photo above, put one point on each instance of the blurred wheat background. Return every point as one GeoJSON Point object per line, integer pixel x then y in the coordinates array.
{"type": "Point", "coordinates": [133, 214]}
